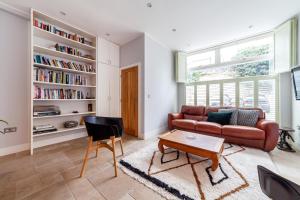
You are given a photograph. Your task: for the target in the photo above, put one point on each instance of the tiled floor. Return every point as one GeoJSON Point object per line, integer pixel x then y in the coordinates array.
{"type": "Point", "coordinates": [52, 173]}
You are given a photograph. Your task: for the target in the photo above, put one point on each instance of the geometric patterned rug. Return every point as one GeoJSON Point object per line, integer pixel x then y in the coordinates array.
{"type": "Point", "coordinates": [178, 175]}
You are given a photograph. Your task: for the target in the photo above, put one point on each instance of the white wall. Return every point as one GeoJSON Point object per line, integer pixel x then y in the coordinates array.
{"type": "Point", "coordinates": [131, 54]}
{"type": "Point", "coordinates": [296, 104]}
{"type": "Point", "coordinates": [160, 87]}
{"type": "Point", "coordinates": [14, 57]}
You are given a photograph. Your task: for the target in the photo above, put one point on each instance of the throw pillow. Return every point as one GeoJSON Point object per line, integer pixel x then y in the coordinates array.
{"type": "Point", "coordinates": [222, 118]}
{"type": "Point", "coordinates": [248, 117]}
{"type": "Point", "coordinates": [234, 115]}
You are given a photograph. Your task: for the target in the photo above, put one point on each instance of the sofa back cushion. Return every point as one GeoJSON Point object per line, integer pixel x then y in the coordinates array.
{"type": "Point", "coordinates": [195, 117]}
{"type": "Point", "coordinates": [193, 110]}
{"type": "Point", "coordinates": [247, 117]}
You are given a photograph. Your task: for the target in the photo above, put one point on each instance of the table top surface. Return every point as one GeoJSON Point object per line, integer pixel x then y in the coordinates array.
{"type": "Point", "coordinates": [286, 129]}
{"type": "Point", "coordinates": [195, 140]}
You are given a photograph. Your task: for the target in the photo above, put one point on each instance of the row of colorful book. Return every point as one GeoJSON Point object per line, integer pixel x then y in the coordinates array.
{"type": "Point", "coordinates": [40, 59]}
{"type": "Point", "coordinates": [46, 93]}
{"type": "Point", "coordinates": [50, 76]}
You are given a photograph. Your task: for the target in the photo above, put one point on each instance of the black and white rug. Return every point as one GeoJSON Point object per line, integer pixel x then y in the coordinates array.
{"type": "Point", "coordinates": [178, 175]}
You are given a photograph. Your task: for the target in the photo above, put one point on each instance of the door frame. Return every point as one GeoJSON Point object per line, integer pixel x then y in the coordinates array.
{"type": "Point", "coordinates": [140, 96]}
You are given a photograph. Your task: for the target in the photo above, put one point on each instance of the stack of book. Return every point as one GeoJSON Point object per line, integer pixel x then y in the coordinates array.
{"type": "Point", "coordinates": [68, 50]}
{"type": "Point", "coordinates": [46, 93]}
{"type": "Point", "coordinates": [39, 59]}
{"type": "Point", "coordinates": [49, 76]}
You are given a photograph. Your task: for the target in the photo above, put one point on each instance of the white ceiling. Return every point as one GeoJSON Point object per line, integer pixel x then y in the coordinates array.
{"type": "Point", "coordinates": [199, 23]}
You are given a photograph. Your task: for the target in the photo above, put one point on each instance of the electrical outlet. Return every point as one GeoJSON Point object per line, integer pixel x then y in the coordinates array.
{"type": "Point", "coordinates": [10, 130]}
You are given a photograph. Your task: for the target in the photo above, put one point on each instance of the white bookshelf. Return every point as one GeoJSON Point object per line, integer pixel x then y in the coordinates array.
{"type": "Point", "coordinates": [43, 44]}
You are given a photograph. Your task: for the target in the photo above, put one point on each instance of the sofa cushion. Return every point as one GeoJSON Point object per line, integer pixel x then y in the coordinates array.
{"type": "Point", "coordinates": [208, 127]}
{"type": "Point", "coordinates": [248, 117]}
{"type": "Point", "coordinates": [194, 117]}
{"type": "Point", "coordinates": [184, 124]}
{"type": "Point", "coordinates": [234, 115]}
{"type": "Point", "coordinates": [243, 132]}
{"type": "Point", "coordinates": [193, 110]}
{"type": "Point", "coordinates": [222, 118]}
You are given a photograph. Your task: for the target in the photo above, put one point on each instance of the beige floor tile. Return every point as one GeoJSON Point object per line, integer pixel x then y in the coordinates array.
{"type": "Point", "coordinates": [28, 186]}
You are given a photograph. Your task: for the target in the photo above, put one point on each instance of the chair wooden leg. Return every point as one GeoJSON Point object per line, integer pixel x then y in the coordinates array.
{"type": "Point", "coordinates": [121, 144]}
{"type": "Point", "coordinates": [90, 144]}
{"type": "Point", "coordinates": [97, 149]}
{"type": "Point", "coordinates": [114, 154]}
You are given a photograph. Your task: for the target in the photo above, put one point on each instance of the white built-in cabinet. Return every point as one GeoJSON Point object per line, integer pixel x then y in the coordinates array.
{"type": "Point", "coordinates": [109, 53]}
{"type": "Point", "coordinates": [108, 76]}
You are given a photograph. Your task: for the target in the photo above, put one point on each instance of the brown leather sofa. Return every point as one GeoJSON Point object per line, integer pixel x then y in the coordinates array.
{"type": "Point", "coordinates": [194, 119]}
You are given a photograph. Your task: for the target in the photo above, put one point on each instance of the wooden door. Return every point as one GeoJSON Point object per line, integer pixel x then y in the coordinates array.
{"type": "Point", "coordinates": [129, 100]}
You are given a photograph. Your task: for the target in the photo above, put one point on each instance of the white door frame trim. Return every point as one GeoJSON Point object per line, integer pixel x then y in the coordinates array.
{"type": "Point", "coordinates": [140, 96]}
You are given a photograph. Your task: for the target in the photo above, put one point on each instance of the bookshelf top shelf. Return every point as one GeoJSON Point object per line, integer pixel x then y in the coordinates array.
{"type": "Point", "coordinates": [50, 52]}
{"type": "Point", "coordinates": [61, 24]}
{"type": "Point", "coordinates": [60, 39]}
{"type": "Point", "coordinates": [65, 115]}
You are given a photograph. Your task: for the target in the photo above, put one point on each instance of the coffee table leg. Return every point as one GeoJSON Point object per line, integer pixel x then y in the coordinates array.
{"type": "Point", "coordinates": [215, 162]}
{"type": "Point", "coordinates": [161, 146]}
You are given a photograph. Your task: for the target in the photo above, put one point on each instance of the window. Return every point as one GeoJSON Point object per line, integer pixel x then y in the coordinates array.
{"type": "Point", "coordinates": [229, 94]}
{"type": "Point", "coordinates": [201, 95]}
{"type": "Point", "coordinates": [190, 95]}
{"type": "Point", "coordinates": [214, 95]}
{"type": "Point", "coordinates": [246, 58]}
{"type": "Point", "coordinates": [201, 59]}
{"type": "Point", "coordinates": [247, 94]}
{"type": "Point", "coordinates": [267, 98]}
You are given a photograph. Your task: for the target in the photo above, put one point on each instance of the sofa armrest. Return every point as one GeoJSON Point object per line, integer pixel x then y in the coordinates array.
{"type": "Point", "coordinates": [171, 117]}
{"type": "Point", "coordinates": [271, 131]}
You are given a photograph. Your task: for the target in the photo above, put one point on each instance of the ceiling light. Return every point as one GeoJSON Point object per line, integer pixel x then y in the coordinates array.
{"type": "Point", "coordinates": [251, 26]}
{"type": "Point", "coordinates": [149, 5]}
{"type": "Point", "coordinates": [107, 34]}
{"type": "Point", "coordinates": [62, 13]}
{"type": "Point", "coordinates": [174, 29]}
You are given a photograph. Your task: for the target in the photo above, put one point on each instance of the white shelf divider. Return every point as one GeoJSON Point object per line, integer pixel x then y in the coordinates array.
{"type": "Point", "coordinates": [63, 85]}
{"type": "Point", "coordinates": [63, 69]}
{"type": "Point", "coordinates": [65, 115]}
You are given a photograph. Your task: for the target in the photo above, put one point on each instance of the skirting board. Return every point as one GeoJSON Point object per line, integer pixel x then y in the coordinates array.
{"type": "Point", "coordinates": [14, 149]}
{"type": "Point", "coordinates": [155, 133]}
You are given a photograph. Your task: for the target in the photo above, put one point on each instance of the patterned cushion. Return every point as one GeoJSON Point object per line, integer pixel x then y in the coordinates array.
{"type": "Point", "coordinates": [234, 115]}
{"type": "Point", "coordinates": [247, 117]}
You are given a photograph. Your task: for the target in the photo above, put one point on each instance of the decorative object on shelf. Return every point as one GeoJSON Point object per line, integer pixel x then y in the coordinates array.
{"type": "Point", "coordinates": [45, 110]}
{"type": "Point", "coordinates": [285, 134]}
{"type": "Point", "coordinates": [75, 111]}
{"type": "Point", "coordinates": [90, 107]}
{"type": "Point", "coordinates": [70, 124]}
{"type": "Point", "coordinates": [46, 128]}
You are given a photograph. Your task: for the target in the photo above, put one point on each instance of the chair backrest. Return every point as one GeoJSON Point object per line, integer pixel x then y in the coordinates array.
{"type": "Point", "coordinates": [277, 187]}
{"type": "Point", "coordinates": [101, 128]}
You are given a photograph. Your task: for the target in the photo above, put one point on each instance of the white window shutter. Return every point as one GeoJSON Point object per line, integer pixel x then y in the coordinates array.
{"type": "Point", "coordinates": [180, 64]}
{"type": "Point", "coordinates": [285, 47]}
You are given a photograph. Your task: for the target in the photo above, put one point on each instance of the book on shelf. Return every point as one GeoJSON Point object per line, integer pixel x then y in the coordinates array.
{"type": "Point", "coordinates": [47, 93]}
{"type": "Point", "coordinates": [50, 76]}
{"type": "Point", "coordinates": [58, 31]}
{"type": "Point", "coordinates": [40, 59]}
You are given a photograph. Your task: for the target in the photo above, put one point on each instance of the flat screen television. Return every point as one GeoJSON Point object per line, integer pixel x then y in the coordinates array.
{"type": "Point", "coordinates": [296, 81]}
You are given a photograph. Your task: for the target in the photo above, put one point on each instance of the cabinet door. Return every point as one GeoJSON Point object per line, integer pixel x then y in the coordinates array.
{"type": "Point", "coordinates": [103, 90]}
{"type": "Point", "coordinates": [114, 54]}
{"type": "Point", "coordinates": [103, 51]}
{"type": "Point", "coordinates": [114, 91]}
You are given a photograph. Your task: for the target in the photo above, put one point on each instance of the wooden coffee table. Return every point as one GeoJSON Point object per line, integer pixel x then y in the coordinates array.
{"type": "Point", "coordinates": [194, 143]}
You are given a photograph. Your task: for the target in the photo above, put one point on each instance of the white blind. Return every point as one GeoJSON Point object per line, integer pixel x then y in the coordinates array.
{"type": "Point", "coordinates": [229, 94]}
{"type": "Point", "coordinates": [214, 95]}
{"type": "Point", "coordinates": [247, 94]}
{"type": "Point", "coordinates": [267, 98]}
{"type": "Point", "coordinates": [201, 95]}
{"type": "Point", "coordinates": [190, 95]}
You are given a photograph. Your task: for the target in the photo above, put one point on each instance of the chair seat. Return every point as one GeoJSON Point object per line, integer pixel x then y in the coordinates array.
{"type": "Point", "coordinates": [243, 132]}
{"type": "Point", "coordinates": [184, 124]}
{"type": "Point", "coordinates": [209, 127]}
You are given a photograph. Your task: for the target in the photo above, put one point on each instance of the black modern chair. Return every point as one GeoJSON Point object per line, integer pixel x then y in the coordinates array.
{"type": "Point", "coordinates": [102, 130]}
{"type": "Point", "coordinates": [277, 187]}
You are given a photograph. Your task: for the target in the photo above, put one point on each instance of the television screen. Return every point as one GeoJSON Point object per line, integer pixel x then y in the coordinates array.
{"type": "Point", "coordinates": [296, 81]}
